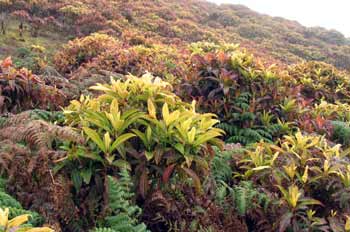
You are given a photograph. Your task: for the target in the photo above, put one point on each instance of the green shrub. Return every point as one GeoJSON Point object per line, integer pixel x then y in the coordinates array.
{"type": "Point", "coordinates": [138, 123]}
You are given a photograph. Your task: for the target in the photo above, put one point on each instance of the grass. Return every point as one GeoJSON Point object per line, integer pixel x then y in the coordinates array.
{"type": "Point", "coordinates": [11, 41]}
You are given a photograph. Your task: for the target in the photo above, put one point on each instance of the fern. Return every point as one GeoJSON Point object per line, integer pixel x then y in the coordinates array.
{"type": "Point", "coordinates": [15, 208]}
{"type": "Point", "coordinates": [7, 201]}
{"type": "Point", "coordinates": [341, 132]}
{"type": "Point", "coordinates": [2, 184]}
{"type": "Point", "coordinates": [244, 197]}
{"type": "Point", "coordinates": [35, 219]}
{"type": "Point", "coordinates": [36, 133]}
{"type": "Point", "coordinates": [2, 121]}
{"type": "Point", "coordinates": [244, 127]}
{"type": "Point", "coordinates": [220, 166]}
{"type": "Point", "coordinates": [244, 135]}
{"type": "Point", "coordinates": [103, 230]}
{"type": "Point", "coordinates": [123, 214]}
{"type": "Point", "coordinates": [48, 116]}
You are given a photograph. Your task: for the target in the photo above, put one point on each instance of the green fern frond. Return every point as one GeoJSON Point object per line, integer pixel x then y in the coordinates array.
{"type": "Point", "coordinates": [244, 197]}
{"type": "Point", "coordinates": [6, 201]}
{"type": "Point", "coordinates": [15, 208]}
{"type": "Point", "coordinates": [35, 219]}
{"type": "Point", "coordinates": [220, 166]}
{"type": "Point", "coordinates": [2, 184]}
{"type": "Point", "coordinates": [103, 230]}
{"type": "Point", "coordinates": [123, 216]}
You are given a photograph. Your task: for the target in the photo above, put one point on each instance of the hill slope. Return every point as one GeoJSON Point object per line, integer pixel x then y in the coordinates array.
{"type": "Point", "coordinates": [179, 21]}
{"type": "Point", "coordinates": [134, 126]}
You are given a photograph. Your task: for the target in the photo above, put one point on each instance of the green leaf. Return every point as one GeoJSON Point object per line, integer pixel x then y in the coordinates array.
{"type": "Point", "coordinates": [149, 155]}
{"type": "Point", "coordinates": [94, 136]}
{"type": "Point", "coordinates": [76, 179]}
{"type": "Point", "coordinates": [122, 164]}
{"type": "Point", "coordinates": [206, 137]}
{"type": "Point", "coordinates": [142, 136]}
{"type": "Point", "coordinates": [98, 119]}
{"type": "Point", "coordinates": [86, 175]}
{"type": "Point", "coordinates": [121, 139]}
{"type": "Point", "coordinates": [180, 148]}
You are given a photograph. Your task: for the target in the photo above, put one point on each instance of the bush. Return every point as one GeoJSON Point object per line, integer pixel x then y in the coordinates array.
{"type": "Point", "coordinates": [20, 90]}
{"type": "Point", "coordinates": [310, 177]}
{"type": "Point", "coordinates": [139, 123]}
{"type": "Point", "coordinates": [83, 50]}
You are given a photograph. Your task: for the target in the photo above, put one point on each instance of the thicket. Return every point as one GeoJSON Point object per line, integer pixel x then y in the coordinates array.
{"type": "Point", "coordinates": [133, 135]}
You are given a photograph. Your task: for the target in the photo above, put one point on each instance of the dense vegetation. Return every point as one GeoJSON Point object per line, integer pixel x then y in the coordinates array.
{"type": "Point", "coordinates": [149, 119]}
{"type": "Point", "coordinates": [171, 22]}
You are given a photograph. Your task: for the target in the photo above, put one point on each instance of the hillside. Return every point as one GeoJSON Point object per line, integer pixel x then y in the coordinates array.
{"type": "Point", "coordinates": [182, 21]}
{"type": "Point", "coordinates": [170, 115]}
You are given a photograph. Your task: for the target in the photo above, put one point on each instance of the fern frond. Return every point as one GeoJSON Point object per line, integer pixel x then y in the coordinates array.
{"type": "Point", "coordinates": [39, 134]}
{"type": "Point", "coordinates": [220, 166]}
{"type": "Point", "coordinates": [103, 230]}
{"type": "Point", "coordinates": [15, 209]}
{"type": "Point", "coordinates": [7, 201]}
{"type": "Point", "coordinates": [123, 215]}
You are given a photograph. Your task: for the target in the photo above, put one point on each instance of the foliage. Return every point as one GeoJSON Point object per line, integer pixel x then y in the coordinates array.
{"type": "Point", "coordinates": [21, 90]}
{"type": "Point", "coordinates": [83, 50]}
{"type": "Point", "coordinates": [240, 90]}
{"type": "Point", "coordinates": [163, 61]}
{"type": "Point", "coordinates": [148, 151]}
{"type": "Point", "coordinates": [17, 223]}
{"type": "Point", "coordinates": [32, 59]}
{"type": "Point", "coordinates": [299, 168]}
{"type": "Point", "coordinates": [15, 209]}
{"type": "Point", "coordinates": [173, 22]}
{"type": "Point", "coordinates": [122, 214]}
{"type": "Point", "coordinates": [320, 80]}
{"type": "Point", "coordinates": [140, 124]}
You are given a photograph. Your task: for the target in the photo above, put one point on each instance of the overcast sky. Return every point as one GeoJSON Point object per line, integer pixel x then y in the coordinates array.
{"type": "Point", "coordinates": [331, 14]}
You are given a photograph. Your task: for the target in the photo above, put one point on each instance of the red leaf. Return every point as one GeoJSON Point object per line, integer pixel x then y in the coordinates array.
{"type": "Point", "coordinates": [7, 62]}
{"type": "Point", "coordinates": [143, 184]}
{"type": "Point", "coordinates": [167, 173]}
{"type": "Point", "coordinates": [195, 178]}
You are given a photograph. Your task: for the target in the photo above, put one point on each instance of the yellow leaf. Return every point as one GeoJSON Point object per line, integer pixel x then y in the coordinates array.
{"type": "Point", "coordinates": [165, 112]}
{"type": "Point", "coordinates": [347, 223]}
{"type": "Point", "coordinates": [326, 166]}
{"type": "Point", "coordinates": [152, 109]}
{"type": "Point", "coordinates": [107, 142]}
{"type": "Point", "coordinates": [114, 108]}
{"type": "Point", "coordinates": [188, 160]}
{"type": "Point", "coordinates": [304, 178]}
{"type": "Point", "coordinates": [41, 229]}
{"type": "Point", "coordinates": [290, 170]}
{"type": "Point", "coordinates": [294, 195]}
{"type": "Point", "coordinates": [193, 106]}
{"type": "Point", "coordinates": [17, 221]}
{"type": "Point", "coordinates": [191, 135]}
{"type": "Point", "coordinates": [4, 216]}
{"type": "Point", "coordinates": [173, 116]}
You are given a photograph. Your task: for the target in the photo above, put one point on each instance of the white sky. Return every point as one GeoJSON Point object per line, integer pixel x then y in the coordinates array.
{"type": "Point", "coordinates": [334, 14]}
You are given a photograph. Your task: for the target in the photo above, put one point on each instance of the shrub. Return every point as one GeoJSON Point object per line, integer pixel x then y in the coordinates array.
{"type": "Point", "coordinates": [20, 89]}
{"type": "Point", "coordinates": [139, 123]}
{"type": "Point", "coordinates": [309, 175]}
{"type": "Point", "coordinates": [320, 80]}
{"type": "Point", "coordinates": [83, 50]}
{"type": "Point", "coordinates": [239, 89]}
